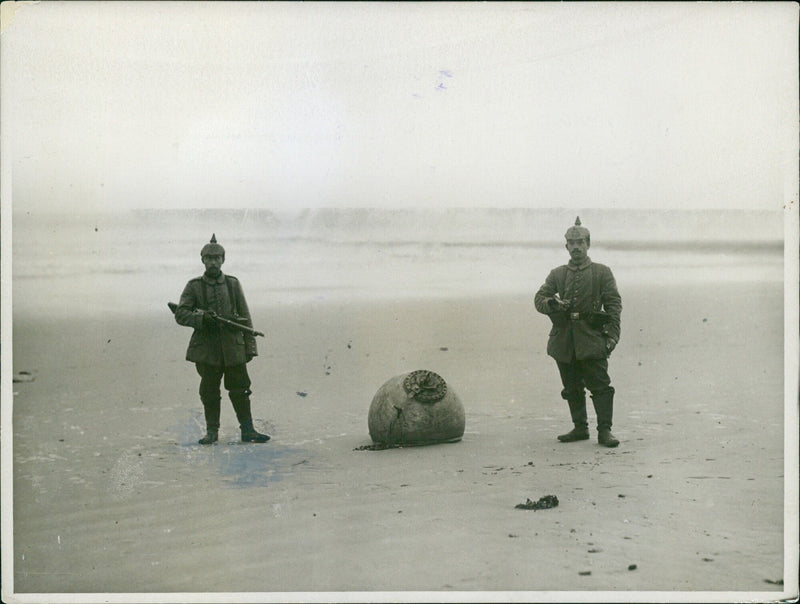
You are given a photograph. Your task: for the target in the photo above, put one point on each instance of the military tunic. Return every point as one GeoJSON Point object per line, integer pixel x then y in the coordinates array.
{"type": "Point", "coordinates": [216, 344]}
{"type": "Point", "coordinates": [590, 287]}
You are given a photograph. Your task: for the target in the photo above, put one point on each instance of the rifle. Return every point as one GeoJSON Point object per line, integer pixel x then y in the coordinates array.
{"type": "Point", "coordinates": [173, 307]}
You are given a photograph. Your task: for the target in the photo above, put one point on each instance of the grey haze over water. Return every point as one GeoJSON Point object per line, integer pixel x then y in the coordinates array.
{"type": "Point", "coordinates": [136, 260]}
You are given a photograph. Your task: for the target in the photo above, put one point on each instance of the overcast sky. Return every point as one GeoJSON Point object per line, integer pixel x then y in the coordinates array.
{"type": "Point", "coordinates": [112, 105]}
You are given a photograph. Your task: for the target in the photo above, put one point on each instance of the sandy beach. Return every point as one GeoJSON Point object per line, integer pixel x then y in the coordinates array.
{"type": "Point", "coordinates": [112, 493]}
{"type": "Point", "coordinates": [392, 183]}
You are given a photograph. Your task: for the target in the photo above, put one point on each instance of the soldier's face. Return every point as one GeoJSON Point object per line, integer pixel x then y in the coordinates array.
{"type": "Point", "coordinates": [577, 248]}
{"type": "Point", "coordinates": [213, 264]}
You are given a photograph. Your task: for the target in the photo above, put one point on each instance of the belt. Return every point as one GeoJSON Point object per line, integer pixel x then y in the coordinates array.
{"type": "Point", "coordinates": [577, 316]}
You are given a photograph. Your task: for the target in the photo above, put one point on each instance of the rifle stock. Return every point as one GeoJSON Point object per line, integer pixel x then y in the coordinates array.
{"type": "Point", "coordinates": [173, 307]}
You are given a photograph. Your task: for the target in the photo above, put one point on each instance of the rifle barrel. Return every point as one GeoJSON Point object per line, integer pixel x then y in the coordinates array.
{"type": "Point", "coordinates": [173, 307]}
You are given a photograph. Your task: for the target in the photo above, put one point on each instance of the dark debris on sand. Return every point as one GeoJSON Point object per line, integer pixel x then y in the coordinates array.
{"type": "Point", "coordinates": [376, 447]}
{"type": "Point", "coordinates": [544, 503]}
{"type": "Point", "coordinates": [24, 376]}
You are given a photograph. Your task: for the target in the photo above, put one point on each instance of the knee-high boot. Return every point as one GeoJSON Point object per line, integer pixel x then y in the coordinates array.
{"type": "Point", "coordinates": [211, 407]}
{"type": "Point", "coordinates": [241, 405]}
{"type": "Point", "coordinates": [577, 410]}
{"type": "Point", "coordinates": [604, 407]}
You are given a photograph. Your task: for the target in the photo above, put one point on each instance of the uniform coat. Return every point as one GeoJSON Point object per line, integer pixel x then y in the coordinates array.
{"type": "Point", "coordinates": [577, 339]}
{"type": "Point", "coordinates": [216, 344]}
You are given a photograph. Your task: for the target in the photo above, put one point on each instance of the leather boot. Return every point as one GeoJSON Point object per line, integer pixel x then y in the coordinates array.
{"type": "Point", "coordinates": [250, 435]}
{"type": "Point", "coordinates": [211, 407]}
{"type": "Point", "coordinates": [604, 407]}
{"type": "Point", "coordinates": [577, 410]}
{"type": "Point", "coordinates": [605, 438]}
{"type": "Point", "coordinates": [241, 405]}
{"type": "Point", "coordinates": [211, 436]}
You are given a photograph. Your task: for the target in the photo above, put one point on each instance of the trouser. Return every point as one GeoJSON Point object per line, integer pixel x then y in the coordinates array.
{"type": "Point", "coordinates": [591, 374]}
{"type": "Point", "coordinates": [237, 383]}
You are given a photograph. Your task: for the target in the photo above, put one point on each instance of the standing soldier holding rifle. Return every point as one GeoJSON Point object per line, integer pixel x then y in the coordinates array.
{"type": "Point", "coordinates": [223, 341]}
{"type": "Point", "coordinates": [583, 303]}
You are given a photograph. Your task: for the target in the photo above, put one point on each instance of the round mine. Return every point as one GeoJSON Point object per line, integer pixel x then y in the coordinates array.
{"type": "Point", "coordinates": [416, 408]}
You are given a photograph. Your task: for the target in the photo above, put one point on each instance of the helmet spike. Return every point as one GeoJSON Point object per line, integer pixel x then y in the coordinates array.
{"type": "Point", "coordinates": [212, 248]}
{"type": "Point", "coordinates": [578, 231]}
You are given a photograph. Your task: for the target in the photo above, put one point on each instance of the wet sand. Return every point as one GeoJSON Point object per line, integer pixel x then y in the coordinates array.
{"type": "Point", "coordinates": [112, 493]}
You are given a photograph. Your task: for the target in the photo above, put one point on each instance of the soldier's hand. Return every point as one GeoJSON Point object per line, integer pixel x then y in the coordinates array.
{"type": "Point", "coordinates": [208, 318]}
{"type": "Point", "coordinates": [560, 304]}
{"type": "Point", "coordinates": [611, 344]}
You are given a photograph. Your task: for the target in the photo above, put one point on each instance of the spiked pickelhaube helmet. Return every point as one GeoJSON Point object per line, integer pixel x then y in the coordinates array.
{"type": "Point", "coordinates": [577, 231]}
{"type": "Point", "coordinates": [212, 248]}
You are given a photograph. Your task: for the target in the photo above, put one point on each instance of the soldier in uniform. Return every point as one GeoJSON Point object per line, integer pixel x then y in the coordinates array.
{"type": "Point", "coordinates": [217, 350]}
{"type": "Point", "coordinates": [583, 303]}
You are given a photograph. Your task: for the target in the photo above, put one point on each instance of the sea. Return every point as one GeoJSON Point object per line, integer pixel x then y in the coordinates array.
{"type": "Point", "coordinates": [136, 261]}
